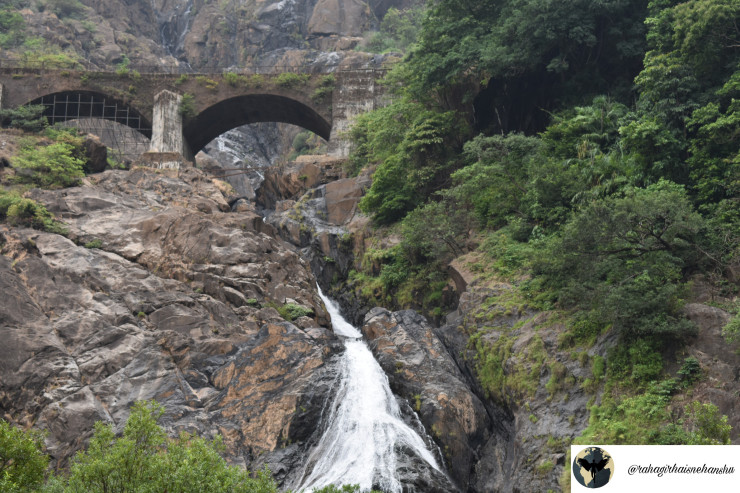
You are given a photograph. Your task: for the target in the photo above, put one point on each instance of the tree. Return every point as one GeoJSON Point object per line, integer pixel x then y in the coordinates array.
{"type": "Point", "coordinates": [29, 117]}
{"type": "Point", "coordinates": [685, 127]}
{"type": "Point", "coordinates": [12, 28]}
{"type": "Point", "coordinates": [527, 55]}
{"type": "Point", "coordinates": [398, 30]}
{"type": "Point", "coordinates": [145, 460]}
{"type": "Point", "coordinates": [624, 257]}
{"type": "Point", "coordinates": [22, 460]}
{"type": "Point", "coordinates": [414, 148]}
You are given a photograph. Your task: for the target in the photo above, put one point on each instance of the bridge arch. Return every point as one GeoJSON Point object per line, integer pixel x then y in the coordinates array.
{"type": "Point", "coordinates": [79, 105]}
{"type": "Point", "coordinates": [251, 108]}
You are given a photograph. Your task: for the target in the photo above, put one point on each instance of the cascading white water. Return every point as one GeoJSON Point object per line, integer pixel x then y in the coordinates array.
{"type": "Point", "coordinates": [365, 431]}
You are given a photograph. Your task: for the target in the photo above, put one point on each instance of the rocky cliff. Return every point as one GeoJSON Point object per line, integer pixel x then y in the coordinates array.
{"type": "Point", "coordinates": [157, 293]}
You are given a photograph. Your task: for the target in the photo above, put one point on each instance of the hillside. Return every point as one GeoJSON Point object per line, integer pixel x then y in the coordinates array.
{"type": "Point", "coordinates": [538, 237]}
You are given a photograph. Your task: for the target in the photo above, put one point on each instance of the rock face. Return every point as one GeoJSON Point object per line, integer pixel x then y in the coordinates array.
{"type": "Point", "coordinates": [324, 221]}
{"type": "Point", "coordinates": [168, 300]}
{"type": "Point", "coordinates": [419, 369]}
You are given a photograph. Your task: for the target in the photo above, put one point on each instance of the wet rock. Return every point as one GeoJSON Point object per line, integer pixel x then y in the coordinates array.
{"type": "Point", "coordinates": [419, 369]}
{"type": "Point", "coordinates": [292, 181]}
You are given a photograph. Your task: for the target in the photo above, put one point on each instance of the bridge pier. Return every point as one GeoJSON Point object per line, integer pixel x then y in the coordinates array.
{"type": "Point", "coordinates": [168, 148]}
{"type": "Point", "coordinates": [355, 93]}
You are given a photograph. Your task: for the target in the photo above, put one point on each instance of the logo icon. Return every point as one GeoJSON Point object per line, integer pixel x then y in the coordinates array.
{"type": "Point", "coordinates": [593, 467]}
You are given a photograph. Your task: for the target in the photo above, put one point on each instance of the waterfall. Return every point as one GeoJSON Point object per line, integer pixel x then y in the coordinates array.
{"type": "Point", "coordinates": [365, 433]}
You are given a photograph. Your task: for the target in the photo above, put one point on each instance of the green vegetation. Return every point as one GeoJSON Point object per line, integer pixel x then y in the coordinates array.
{"type": "Point", "coordinates": [37, 53]}
{"type": "Point", "coordinates": [63, 8]}
{"type": "Point", "coordinates": [731, 331]}
{"type": "Point", "coordinates": [208, 83]}
{"type": "Point", "coordinates": [122, 68]}
{"type": "Point", "coordinates": [234, 79]}
{"type": "Point", "coordinates": [306, 142]}
{"type": "Point", "coordinates": [291, 79]}
{"type": "Point", "coordinates": [20, 211]}
{"type": "Point", "coordinates": [398, 31]}
{"type": "Point", "coordinates": [291, 311]}
{"type": "Point", "coordinates": [22, 462]}
{"type": "Point", "coordinates": [187, 106]}
{"type": "Point", "coordinates": [12, 29]}
{"type": "Point", "coordinates": [96, 243]}
{"type": "Point", "coordinates": [28, 117]}
{"type": "Point", "coordinates": [142, 459]}
{"type": "Point", "coordinates": [324, 89]}
{"type": "Point", "coordinates": [255, 81]}
{"type": "Point", "coordinates": [596, 187]}
{"type": "Point", "coordinates": [145, 457]}
{"type": "Point", "coordinates": [52, 166]}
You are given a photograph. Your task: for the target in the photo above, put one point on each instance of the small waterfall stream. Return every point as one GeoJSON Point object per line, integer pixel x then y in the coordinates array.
{"type": "Point", "coordinates": [365, 433]}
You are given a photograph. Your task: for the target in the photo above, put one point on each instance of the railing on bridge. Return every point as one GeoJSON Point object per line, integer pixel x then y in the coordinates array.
{"type": "Point", "coordinates": [20, 65]}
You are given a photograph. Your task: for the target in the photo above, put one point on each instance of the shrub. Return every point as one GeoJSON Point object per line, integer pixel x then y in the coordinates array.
{"type": "Point", "coordinates": [19, 211]}
{"type": "Point", "coordinates": [52, 166]}
{"type": "Point", "coordinates": [706, 425]}
{"type": "Point", "coordinates": [96, 243]}
{"type": "Point", "coordinates": [66, 8]}
{"type": "Point", "coordinates": [731, 331]}
{"type": "Point", "coordinates": [12, 28]}
{"type": "Point", "coordinates": [22, 461]}
{"type": "Point", "coordinates": [325, 88]}
{"type": "Point", "coordinates": [256, 81]}
{"type": "Point", "coordinates": [208, 83]}
{"type": "Point", "coordinates": [291, 311]}
{"type": "Point", "coordinates": [290, 79]}
{"type": "Point", "coordinates": [144, 459]}
{"type": "Point", "coordinates": [300, 141]}
{"type": "Point", "coordinates": [187, 106]}
{"type": "Point", "coordinates": [122, 68]}
{"type": "Point", "coordinates": [28, 117]}
{"type": "Point", "coordinates": [234, 80]}
{"type": "Point", "coordinates": [690, 371]}
{"type": "Point", "coordinates": [624, 257]}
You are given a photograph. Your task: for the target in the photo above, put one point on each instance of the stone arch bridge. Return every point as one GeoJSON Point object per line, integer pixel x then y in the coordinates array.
{"type": "Point", "coordinates": [182, 113]}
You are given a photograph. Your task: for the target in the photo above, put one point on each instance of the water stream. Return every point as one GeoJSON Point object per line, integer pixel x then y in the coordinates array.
{"type": "Point", "coordinates": [365, 432]}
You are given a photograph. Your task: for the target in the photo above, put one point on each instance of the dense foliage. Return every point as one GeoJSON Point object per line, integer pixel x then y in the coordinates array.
{"type": "Point", "coordinates": [605, 174]}
{"type": "Point", "coordinates": [142, 459]}
{"type": "Point", "coordinates": [22, 462]}
{"type": "Point", "coordinates": [397, 32]}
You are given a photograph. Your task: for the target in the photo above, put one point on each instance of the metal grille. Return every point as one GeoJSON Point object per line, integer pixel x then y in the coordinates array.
{"type": "Point", "coordinates": [75, 106]}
